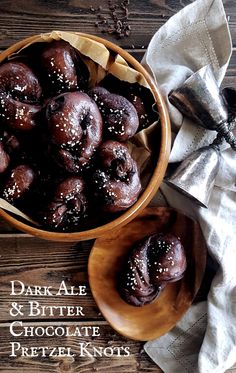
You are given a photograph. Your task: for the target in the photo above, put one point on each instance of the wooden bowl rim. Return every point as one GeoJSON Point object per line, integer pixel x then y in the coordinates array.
{"type": "Point", "coordinates": [157, 175]}
{"type": "Point", "coordinates": [198, 278]}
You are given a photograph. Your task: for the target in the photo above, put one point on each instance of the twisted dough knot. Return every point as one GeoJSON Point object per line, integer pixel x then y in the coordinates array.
{"type": "Point", "coordinates": [119, 115]}
{"type": "Point", "coordinates": [20, 93]}
{"type": "Point", "coordinates": [18, 183]}
{"type": "Point", "coordinates": [139, 96]}
{"type": "Point", "coordinates": [62, 68]}
{"type": "Point", "coordinates": [116, 182]}
{"type": "Point", "coordinates": [138, 103]}
{"type": "Point", "coordinates": [75, 130]}
{"type": "Point", "coordinates": [155, 261]}
{"type": "Point", "coordinates": [69, 205]}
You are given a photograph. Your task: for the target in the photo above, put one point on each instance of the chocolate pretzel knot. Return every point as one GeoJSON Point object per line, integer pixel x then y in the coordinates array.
{"type": "Point", "coordinates": [62, 69]}
{"type": "Point", "coordinates": [119, 115]}
{"type": "Point", "coordinates": [154, 262]}
{"type": "Point", "coordinates": [68, 205]}
{"type": "Point", "coordinates": [20, 94]}
{"type": "Point", "coordinates": [117, 183]}
{"type": "Point", "coordinates": [75, 127]}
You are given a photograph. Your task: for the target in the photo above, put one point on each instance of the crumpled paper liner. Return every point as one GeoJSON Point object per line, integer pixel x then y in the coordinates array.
{"type": "Point", "coordinates": [99, 62]}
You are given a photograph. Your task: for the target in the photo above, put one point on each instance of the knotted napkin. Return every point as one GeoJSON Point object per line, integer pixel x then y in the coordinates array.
{"type": "Point", "coordinates": [205, 339]}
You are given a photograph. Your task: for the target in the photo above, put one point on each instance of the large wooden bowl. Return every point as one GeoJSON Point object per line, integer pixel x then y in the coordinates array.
{"type": "Point", "coordinates": [109, 256]}
{"type": "Point", "coordinates": [156, 178]}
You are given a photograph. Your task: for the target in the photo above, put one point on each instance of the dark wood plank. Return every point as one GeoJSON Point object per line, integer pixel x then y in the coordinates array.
{"type": "Point", "coordinates": [19, 19]}
{"type": "Point", "coordinates": [136, 362]}
{"type": "Point", "coordinates": [106, 264]}
{"type": "Point", "coordinates": [37, 262]}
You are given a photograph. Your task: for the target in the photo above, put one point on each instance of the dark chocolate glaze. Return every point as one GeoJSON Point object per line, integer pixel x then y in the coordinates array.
{"type": "Point", "coordinates": [62, 68]}
{"type": "Point", "coordinates": [117, 182]}
{"type": "Point", "coordinates": [75, 130]}
{"type": "Point", "coordinates": [139, 96]}
{"type": "Point", "coordinates": [18, 183]}
{"type": "Point", "coordinates": [153, 262]}
{"type": "Point", "coordinates": [20, 94]}
{"type": "Point", "coordinates": [68, 205]}
{"type": "Point", "coordinates": [119, 115]}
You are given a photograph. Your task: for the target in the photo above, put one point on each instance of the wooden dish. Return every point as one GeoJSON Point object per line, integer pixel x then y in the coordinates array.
{"type": "Point", "coordinates": [108, 257]}
{"type": "Point", "coordinates": [156, 178]}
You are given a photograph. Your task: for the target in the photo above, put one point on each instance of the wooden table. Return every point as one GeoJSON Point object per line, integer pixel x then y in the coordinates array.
{"type": "Point", "coordinates": [37, 262]}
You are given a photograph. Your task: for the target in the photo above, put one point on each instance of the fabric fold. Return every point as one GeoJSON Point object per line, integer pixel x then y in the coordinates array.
{"type": "Point", "coordinates": [196, 36]}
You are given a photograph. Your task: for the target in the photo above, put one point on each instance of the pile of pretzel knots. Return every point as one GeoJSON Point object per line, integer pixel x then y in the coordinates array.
{"type": "Point", "coordinates": [63, 152]}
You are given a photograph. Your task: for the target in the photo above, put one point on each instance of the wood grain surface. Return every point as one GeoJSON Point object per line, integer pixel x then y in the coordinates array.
{"type": "Point", "coordinates": [19, 19]}
{"type": "Point", "coordinates": [137, 361]}
{"type": "Point", "coordinates": [39, 262]}
{"type": "Point", "coordinates": [105, 267]}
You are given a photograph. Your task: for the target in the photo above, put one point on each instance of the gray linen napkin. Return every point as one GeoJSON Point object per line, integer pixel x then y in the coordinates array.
{"type": "Point", "coordinates": [196, 36]}
{"type": "Point", "coordinates": [176, 351]}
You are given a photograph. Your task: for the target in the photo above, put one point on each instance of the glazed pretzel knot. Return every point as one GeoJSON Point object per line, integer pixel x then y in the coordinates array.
{"type": "Point", "coordinates": [120, 117]}
{"type": "Point", "coordinates": [62, 68]}
{"type": "Point", "coordinates": [116, 182]}
{"type": "Point", "coordinates": [20, 94]}
{"type": "Point", "coordinates": [18, 183]}
{"type": "Point", "coordinates": [68, 205]}
{"type": "Point", "coordinates": [75, 130]}
{"type": "Point", "coordinates": [153, 262]}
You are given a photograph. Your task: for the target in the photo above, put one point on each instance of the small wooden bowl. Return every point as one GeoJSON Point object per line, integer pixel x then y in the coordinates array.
{"type": "Point", "coordinates": [157, 176]}
{"type": "Point", "coordinates": [108, 257]}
